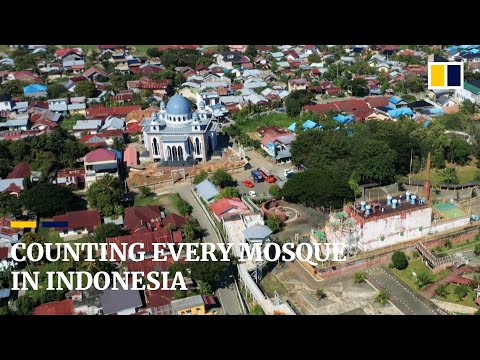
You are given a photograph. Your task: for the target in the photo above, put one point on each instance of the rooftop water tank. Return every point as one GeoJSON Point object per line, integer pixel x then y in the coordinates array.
{"type": "Point", "coordinates": [362, 205]}
{"type": "Point", "coordinates": [413, 200]}
{"type": "Point", "coordinates": [368, 209]}
{"type": "Point", "coordinates": [394, 203]}
{"type": "Point", "coordinates": [389, 200]}
{"type": "Point", "coordinates": [407, 194]}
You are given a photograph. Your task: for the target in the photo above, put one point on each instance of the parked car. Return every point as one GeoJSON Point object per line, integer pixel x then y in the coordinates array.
{"type": "Point", "coordinates": [288, 173]}
{"type": "Point", "coordinates": [252, 193]}
{"type": "Point", "coordinates": [248, 183]}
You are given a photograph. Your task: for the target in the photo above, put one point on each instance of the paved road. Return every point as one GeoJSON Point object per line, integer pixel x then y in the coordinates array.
{"type": "Point", "coordinates": [400, 295]}
{"type": "Point", "coordinates": [227, 296]}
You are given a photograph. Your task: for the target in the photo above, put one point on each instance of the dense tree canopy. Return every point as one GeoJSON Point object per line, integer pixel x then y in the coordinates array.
{"type": "Point", "coordinates": [85, 88]}
{"type": "Point", "coordinates": [105, 231]}
{"type": "Point", "coordinates": [223, 179]}
{"type": "Point", "coordinates": [180, 57]}
{"type": "Point", "coordinates": [399, 260]}
{"type": "Point", "coordinates": [106, 195]}
{"type": "Point", "coordinates": [48, 199]}
{"type": "Point", "coordinates": [317, 187]}
{"type": "Point", "coordinates": [56, 90]}
{"type": "Point", "coordinates": [295, 101]}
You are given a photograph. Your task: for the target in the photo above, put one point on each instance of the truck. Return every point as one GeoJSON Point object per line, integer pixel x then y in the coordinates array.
{"type": "Point", "coordinates": [256, 176]}
{"type": "Point", "coordinates": [267, 175]}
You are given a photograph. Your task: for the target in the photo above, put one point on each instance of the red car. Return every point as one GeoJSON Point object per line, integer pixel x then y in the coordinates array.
{"type": "Point", "coordinates": [248, 183]}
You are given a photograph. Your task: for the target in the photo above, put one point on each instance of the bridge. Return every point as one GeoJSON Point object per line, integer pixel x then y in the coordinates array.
{"type": "Point", "coordinates": [438, 263]}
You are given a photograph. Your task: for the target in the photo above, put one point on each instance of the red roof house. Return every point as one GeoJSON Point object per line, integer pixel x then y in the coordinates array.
{"type": "Point", "coordinates": [137, 217]}
{"type": "Point", "coordinates": [79, 220]}
{"type": "Point", "coordinates": [100, 155]}
{"type": "Point", "coordinates": [63, 307]}
{"type": "Point", "coordinates": [103, 112]}
{"type": "Point", "coordinates": [174, 220]}
{"type": "Point", "coordinates": [21, 170]}
{"type": "Point", "coordinates": [227, 207]}
{"type": "Point", "coordinates": [130, 156]}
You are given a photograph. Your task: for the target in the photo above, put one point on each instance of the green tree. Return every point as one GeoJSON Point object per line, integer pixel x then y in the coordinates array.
{"type": "Point", "coordinates": [316, 188]}
{"type": "Point", "coordinates": [56, 91]}
{"type": "Point", "coordinates": [275, 191]}
{"type": "Point", "coordinates": [153, 52]}
{"type": "Point", "coordinates": [314, 58]}
{"type": "Point", "coordinates": [192, 231]}
{"type": "Point", "coordinates": [105, 194]}
{"type": "Point", "coordinates": [468, 107]}
{"type": "Point", "coordinates": [4, 310]}
{"type": "Point", "coordinates": [295, 101]}
{"type": "Point", "coordinates": [72, 150]}
{"type": "Point", "coordinates": [209, 271]}
{"type": "Point", "coordinates": [448, 244]}
{"type": "Point", "coordinates": [476, 250]}
{"type": "Point", "coordinates": [85, 88]}
{"type": "Point", "coordinates": [450, 176]}
{"type": "Point", "coordinates": [459, 151]}
{"type": "Point", "coordinates": [414, 84]}
{"type": "Point", "coordinates": [202, 175]}
{"type": "Point", "coordinates": [182, 206]}
{"type": "Point", "coordinates": [118, 81]}
{"type": "Point", "coordinates": [251, 51]}
{"type": "Point", "coordinates": [180, 57]}
{"type": "Point", "coordinates": [256, 310]}
{"type": "Point", "coordinates": [359, 277]}
{"type": "Point", "coordinates": [9, 205]}
{"type": "Point", "coordinates": [47, 200]}
{"type": "Point", "coordinates": [382, 298]}
{"type": "Point", "coordinates": [461, 291]}
{"type": "Point", "coordinates": [441, 290]}
{"type": "Point", "coordinates": [423, 279]}
{"type": "Point", "coordinates": [274, 223]}
{"type": "Point", "coordinates": [205, 288]}
{"type": "Point", "coordinates": [438, 159]}
{"type": "Point", "coordinates": [33, 238]}
{"type": "Point", "coordinates": [145, 191]}
{"type": "Point", "coordinates": [223, 179]}
{"type": "Point", "coordinates": [399, 260]}
{"type": "Point", "coordinates": [375, 162]}
{"type": "Point", "coordinates": [228, 192]}
{"type": "Point", "coordinates": [117, 144]}
{"type": "Point", "coordinates": [13, 87]}
{"type": "Point", "coordinates": [44, 161]}
{"type": "Point", "coordinates": [358, 87]}
{"type": "Point", "coordinates": [104, 231]}
{"type": "Point", "coordinates": [25, 305]}
{"type": "Point", "coordinates": [179, 294]}
{"type": "Point", "coordinates": [320, 294]}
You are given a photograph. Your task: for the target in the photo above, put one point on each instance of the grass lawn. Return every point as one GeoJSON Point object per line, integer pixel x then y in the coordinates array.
{"type": "Point", "coordinates": [279, 119]}
{"type": "Point", "coordinates": [417, 266]}
{"type": "Point", "coordinates": [465, 174]}
{"type": "Point", "coordinates": [49, 234]}
{"type": "Point", "coordinates": [164, 201]}
{"type": "Point", "coordinates": [270, 283]}
{"type": "Point", "coordinates": [452, 298]}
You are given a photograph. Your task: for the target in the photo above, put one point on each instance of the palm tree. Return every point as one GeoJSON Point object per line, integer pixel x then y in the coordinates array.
{"type": "Point", "coordinates": [441, 290]}
{"type": "Point", "coordinates": [320, 294]}
{"type": "Point", "coordinates": [382, 298]}
{"type": "Point", "coordinates": [359, 277]}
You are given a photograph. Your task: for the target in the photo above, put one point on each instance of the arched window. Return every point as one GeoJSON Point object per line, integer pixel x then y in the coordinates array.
{"type": "Point", "coordinates": [174, 153]}
{"type": "Point", "coordinates": [155, 146]}
{"type": "Point", "coordinates": [197, 146]}
{"type": "Point", "coordinates": [169, 153]}
{"type": "Point", "coordinates": [180, 153]}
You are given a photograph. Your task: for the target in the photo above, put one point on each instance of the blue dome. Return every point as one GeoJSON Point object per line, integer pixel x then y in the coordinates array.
{"type": "Point", "coordinates": [178, 105]}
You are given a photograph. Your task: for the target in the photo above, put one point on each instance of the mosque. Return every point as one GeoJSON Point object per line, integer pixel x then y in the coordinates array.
{"type": "Point", "coordinates": [176, 135]}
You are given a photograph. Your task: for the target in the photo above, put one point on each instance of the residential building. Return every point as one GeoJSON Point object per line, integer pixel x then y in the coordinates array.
{"type": "Point", "coordinates": [297, 84]}
{"type": "Point", "coordinates": [174, 221]}
{"type": "Point", "coordinates": [470, 91]}
{"type": "Point", "coordinates": [176, 134]}
{"type": "Point", "coordinates": [226, 207]}
{"type": "Point", "coordinates": [58, 105]}
{"type": "Point", "coordinates": [141, 217]}
{"type": "Point", "coordinates": [8, 235]}
{"type": "Point", "coordinates": [15, 124]}
{"type": "Point", "coordinates": [121, 301]}
{"type": "Point", "coordinates": [80, 224]}
{"type": "Point", "coordinates": [71, 177]}
{"type": "Point", "coordinates": [62, 307]}
{"type": "Point", "coordinates": [130, 156]}
{"type": "Point", "coordinates": [98, 163]}
{"type": "Point", "coordinates": [207, 190]}
{"type": "Point", "coordinates": [229, 60]}
{"type": "Point", "coordinates": [192, 305]}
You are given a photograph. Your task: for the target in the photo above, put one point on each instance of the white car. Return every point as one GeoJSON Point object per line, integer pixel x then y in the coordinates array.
{"type": "Point", "coordinates": [252, 193]}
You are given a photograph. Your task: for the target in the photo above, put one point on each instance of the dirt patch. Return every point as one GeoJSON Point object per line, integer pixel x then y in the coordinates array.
{"type": "Point", "coordinates": [154, 174]}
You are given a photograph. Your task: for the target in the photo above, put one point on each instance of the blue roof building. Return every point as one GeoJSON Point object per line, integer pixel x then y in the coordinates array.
{"type": "Point", "coordinates": [308, 124]}
{"type": "Point", "coordinates": [34, 88]}
{"type": "Point", "coordinates": [343, 119]}
{"type": "Point", "coordinates": [207, 190]}
{"type": "Point", "coordinates": [257, 233]}
{"type": "Point", "coordinates": [396, 113]}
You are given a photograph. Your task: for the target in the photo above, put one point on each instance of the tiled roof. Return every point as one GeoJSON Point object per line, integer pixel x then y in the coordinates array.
{"type": "Point", "coordinates": [162, 235]}
{"type": "Point", "coordinates": [120, 111]}
{"type": "Point", "coordinates": [227, 204]}
{"type": "Point", "coordinates": [130, 156]}
{"type": "Point", "coordinates": [88, 219]}
{"type": "Point", "coordinates": [100, 155]}
{"type": "Point", "coordinates": [4, 252]}
{"type": "Point", "coordinates": [139, 216]}
{"type": "Point", "coordinates": [175, 220]}
{"type": "Point", "coordinates": [21, 170]}
{"type": "Point", "coordinates": [63, 307]}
